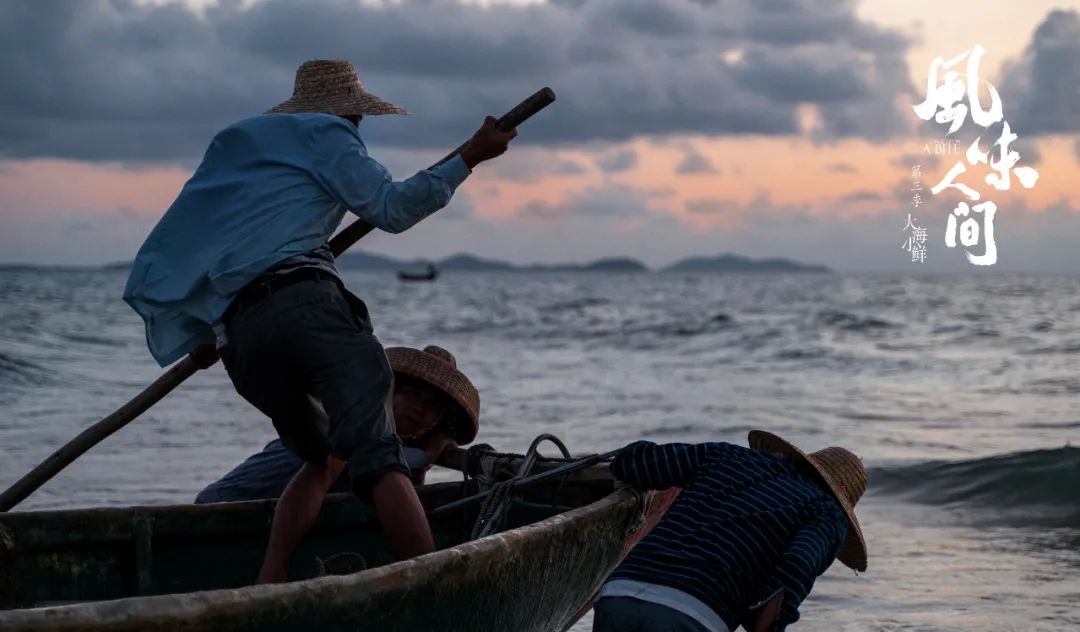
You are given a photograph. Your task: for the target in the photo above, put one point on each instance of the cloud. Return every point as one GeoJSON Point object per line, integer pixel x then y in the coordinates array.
{"type": "Point", "coordinates": [539, 209]}
{"type": "Point", "coordinates": [1027, 147]}
{"type": "Point", "coordinates": [841, 167]}
{"type": "Point", "coordinates": [1041, 90]}
{"type": "Point", "coordinates": [862, 196]}
{"type": "Point", "coordinates": [618, 161]}
{"type": "Point", "coordinates": [569, 168]}
{"type": "Point", "coordinates": [693, 162]}
{"type": "Point", "coordinates": [608, 200]}
{"type": "Point", "coordinates": [926, 162]}
{"type": "Point", "coordinates": [526, 164]}
{"type": "Point", "coordinates": [71, 236]}
{"type": "Point", "coordinates": [739, 213]}
{"type": "Point", "coordinates": [130, 81]}
{"type": "Point", "coordinates": [1027, 239]}
{"type": "Point", "coordinates": [707, 206]}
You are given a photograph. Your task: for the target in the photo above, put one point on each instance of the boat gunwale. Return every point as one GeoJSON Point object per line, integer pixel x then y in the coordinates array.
{"type": "Point", "coordinates": [156, 611]}
{"type": "Point", "coordinates": [114, 524]}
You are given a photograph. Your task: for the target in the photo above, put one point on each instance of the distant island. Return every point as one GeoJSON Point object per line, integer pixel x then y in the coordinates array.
{"type": "Point", "coordinates": [735, 263]}
{"type": "Point", "coordinates": [371, 262]}
{"type": "Point", "coordinates": [472, 263]}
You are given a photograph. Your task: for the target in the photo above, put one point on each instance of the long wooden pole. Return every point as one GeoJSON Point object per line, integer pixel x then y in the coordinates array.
{"type": "Point", "coordinates": [182, 370]}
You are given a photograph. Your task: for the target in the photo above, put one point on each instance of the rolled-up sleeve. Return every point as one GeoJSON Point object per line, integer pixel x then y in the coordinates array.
{"type": "Point", "coordinates": [365, 187]}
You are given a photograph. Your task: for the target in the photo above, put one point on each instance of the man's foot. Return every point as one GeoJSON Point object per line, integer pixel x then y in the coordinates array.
{"type": "Point", "coordinates": [340, 564]}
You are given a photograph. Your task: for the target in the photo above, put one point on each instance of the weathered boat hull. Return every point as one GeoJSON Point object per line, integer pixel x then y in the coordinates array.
{"type": "Point", "coordinates": [537, 576]}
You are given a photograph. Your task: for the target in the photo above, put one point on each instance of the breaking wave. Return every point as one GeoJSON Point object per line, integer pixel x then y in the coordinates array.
{"type": "Point", "coordinates": [1042, 484]}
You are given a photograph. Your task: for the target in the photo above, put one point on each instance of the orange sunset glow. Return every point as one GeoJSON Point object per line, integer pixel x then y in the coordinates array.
{"type": "Point", "coordinates": [704, 185]}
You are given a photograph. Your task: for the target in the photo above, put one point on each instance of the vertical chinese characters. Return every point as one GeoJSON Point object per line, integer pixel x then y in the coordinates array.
{"type": "Point", "coordinates": [916, 241]}
{"type": "Point", "coordinates": [945, 95]}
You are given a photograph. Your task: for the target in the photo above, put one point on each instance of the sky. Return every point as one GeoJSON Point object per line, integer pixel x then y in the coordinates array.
{"type": "Point", "coordinates": [766, 128]}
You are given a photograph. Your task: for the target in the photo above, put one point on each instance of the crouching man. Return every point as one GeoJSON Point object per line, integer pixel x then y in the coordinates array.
{"type": "Point", "coordinates": [744, 541]}
{"type": "Point", "coordinates": [436, 407]}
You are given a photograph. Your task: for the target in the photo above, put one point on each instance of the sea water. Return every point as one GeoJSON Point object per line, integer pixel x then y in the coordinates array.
{"type": "Point", "coordinates": [961, 393]}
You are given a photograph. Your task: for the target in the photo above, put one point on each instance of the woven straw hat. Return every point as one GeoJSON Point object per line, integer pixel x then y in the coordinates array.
{"type": "Point", "coordinates": [841, 471]}
{"type": "Point", "coordinates": [437, 367]}
{"type": "Point", "coordinates": [332, 87]}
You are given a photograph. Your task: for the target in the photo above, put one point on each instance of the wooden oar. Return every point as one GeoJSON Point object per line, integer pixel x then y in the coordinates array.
{"type": "Point", "coordinates": [187, 367]}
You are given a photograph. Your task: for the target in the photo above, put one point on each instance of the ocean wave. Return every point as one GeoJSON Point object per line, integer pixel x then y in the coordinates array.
{"type": "Point", "coordinates": [577, 304]}
{"type": "Point", "coordinates": [847, 321]}
{"type": "Point", "coordinates": [1054, 386]}
{"type": "Point", "coordinates": [19, 372]}
{"type": "Point", "coordinates": [1042, 486]}
{"type": "Point", "coordinates": [1067, 348]}
{"type": "Point", "coordinates": [89, 339]}
{"type": "Point", "coordinates": [814, 353]}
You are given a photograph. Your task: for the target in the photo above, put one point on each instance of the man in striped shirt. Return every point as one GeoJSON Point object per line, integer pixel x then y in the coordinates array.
{"type": "Point", "coordinates": [744, 541]}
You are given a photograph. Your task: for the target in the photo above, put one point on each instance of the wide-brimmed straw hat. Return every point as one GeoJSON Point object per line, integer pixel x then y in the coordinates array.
{"type": "Point", "coordinates": [437, 367]}
{"type": "Point", "coordinates": [331, 86]}
{"type": "Point", "coordinates": [838, 469]}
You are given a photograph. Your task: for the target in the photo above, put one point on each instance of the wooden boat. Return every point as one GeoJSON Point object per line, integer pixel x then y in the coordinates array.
{"type": "Point", "coordinates": [188, 567]}
{"type": "Point", "coordinates": [431, 274]}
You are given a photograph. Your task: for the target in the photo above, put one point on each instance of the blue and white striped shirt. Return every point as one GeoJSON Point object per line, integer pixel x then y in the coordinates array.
{"type": "Point", "coordinates": [746, 526]}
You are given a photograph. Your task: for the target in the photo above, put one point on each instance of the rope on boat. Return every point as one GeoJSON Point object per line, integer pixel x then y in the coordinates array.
{"type": "Point", "coordinates": [482, 460]}
{"type": "Point", "coordinates": [493, 511]}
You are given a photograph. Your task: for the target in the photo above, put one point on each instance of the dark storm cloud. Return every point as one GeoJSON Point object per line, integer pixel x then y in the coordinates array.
{"type": "Point", "coordinates": [1041, 90]}
{"type": "Point", "coordinates": [100, 80]}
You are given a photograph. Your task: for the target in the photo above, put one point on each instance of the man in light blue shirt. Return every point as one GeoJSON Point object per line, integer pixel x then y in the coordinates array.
{"type": "Point", "coordinates": [240, 260]}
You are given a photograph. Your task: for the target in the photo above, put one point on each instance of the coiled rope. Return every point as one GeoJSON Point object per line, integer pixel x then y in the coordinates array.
{"type": "Point", "coordinates": [497, 494]}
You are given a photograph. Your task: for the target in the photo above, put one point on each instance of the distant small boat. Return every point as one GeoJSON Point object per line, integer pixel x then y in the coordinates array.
{"type": "Point", "coordinates": [189, 567]}
{"type": "Point", "coordinates": [431, 274]}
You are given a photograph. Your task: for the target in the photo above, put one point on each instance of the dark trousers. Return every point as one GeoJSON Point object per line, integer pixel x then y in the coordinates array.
{"type": "Point", "coordinates": [626, 614]}
{"type": "Point", "coordinates": [307, 358]}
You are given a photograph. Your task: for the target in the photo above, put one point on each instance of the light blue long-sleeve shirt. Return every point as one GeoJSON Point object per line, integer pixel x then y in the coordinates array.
{"type": "Point", "coordinates": [269, 188]}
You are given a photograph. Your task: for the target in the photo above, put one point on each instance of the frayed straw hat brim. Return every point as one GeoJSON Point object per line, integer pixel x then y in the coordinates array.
{"type": "Point", "coordinates": [347, 105]}
{"type": "Point", "coordinates": [447, 378]}
{"type": "Point", "coordinates": [840, 471]}
{"type": "Point", "coordinates": [332, 86]}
